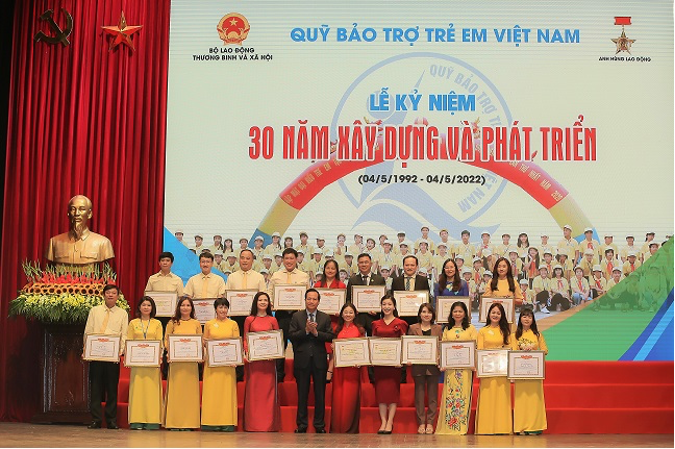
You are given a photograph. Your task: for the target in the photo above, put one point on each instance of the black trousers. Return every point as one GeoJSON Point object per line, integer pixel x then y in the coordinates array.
{"type": "Point", "coordinates": [560, 299]}
{"type": "Point", "coordinates": [103, 380]}
{"type": "Point", "coordinates": [542, 298]}
{"type": "Point", "coordinates": [240, 322]}
{"type": "Point", "coordinates": [302, 379]}
{"type": "Point", "coordinates": [284, 319]}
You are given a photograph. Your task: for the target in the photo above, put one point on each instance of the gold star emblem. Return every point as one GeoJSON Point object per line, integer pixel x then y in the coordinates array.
{"type": "Point", "coordinates": [122, 33]}
{"type": "Point", "coordinates": [623, 43]}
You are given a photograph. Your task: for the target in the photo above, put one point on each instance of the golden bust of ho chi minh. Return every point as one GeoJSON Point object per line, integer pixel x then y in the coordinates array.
{"type": "Point", "coordinates": [79, 246]}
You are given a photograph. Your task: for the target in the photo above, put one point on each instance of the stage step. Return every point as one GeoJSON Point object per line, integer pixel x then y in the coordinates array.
{"type": "Point", "coordinates": [581, 397]}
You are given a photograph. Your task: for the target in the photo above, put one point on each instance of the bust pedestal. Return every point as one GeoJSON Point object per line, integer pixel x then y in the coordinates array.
{"type": "Point", "coordinates": [65, 376]}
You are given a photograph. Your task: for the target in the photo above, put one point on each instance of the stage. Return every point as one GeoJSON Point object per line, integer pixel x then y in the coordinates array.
{"type": "Point", "coordinates": [27, 435]}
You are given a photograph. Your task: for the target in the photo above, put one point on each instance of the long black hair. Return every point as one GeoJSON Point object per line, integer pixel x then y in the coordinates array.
{"type": "Point", "coordinates": [393, 300]}
{"type": "Point", "coordinates": [176, 315]}
{"type": "Point", "coordinates": [509, 276]}
{"type": "Point", "coordinates": [254, 304]}
{"type": "Point", "coordinates": [503, 324]}
{"type": "Point", "coordinates": [527, 311]}
{"type": "Point", "coordinates": [341, 321]}
{"type": "Point", "coordinates": [456, 279]}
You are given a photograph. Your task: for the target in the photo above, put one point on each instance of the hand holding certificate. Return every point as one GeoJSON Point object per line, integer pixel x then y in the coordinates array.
{"type": "Point", "coordinates": [240, 302]}
{"type": "Point", "coordinates": [419, 350]}
{"type": "Point", "coordinates": [204, 310]}
{"type": "Point", "coordinates": [492, 362]}
{"type": "Point", "coordinates": [458, 355]}
{"type": "Point", "coordinates": [289, 297]}
{"type": "Point", "coordinates": [265, 345]}
{"type": "Point", "coordinates": [102, 348]}
{"type": "Point", "coordinates": [225, 352]}
{"type": "Point", "coordinates": [332, 300]}
{"type": "Point", "coordinates": [366, 298]}
{"type": "Point", "coordinates": [409, 302]}
{"type": "Point", "coordinates": [146, 353]}
{"type": "Point", "coordinates": [185, 348]}
{"type": "Point", "coordinates": [351, 352]}
{"type": "Point", "coordinates": [526, 365]}
{"type": "Point", "coordinates": [385, 351]}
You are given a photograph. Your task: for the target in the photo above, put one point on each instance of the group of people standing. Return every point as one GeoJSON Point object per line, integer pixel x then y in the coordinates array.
{"type": "Point", "coordinates": [311, 333]}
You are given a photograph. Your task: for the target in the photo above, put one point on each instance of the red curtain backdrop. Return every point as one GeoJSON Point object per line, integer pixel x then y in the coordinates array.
{"type": "Point", "coordinates": [83, 120]}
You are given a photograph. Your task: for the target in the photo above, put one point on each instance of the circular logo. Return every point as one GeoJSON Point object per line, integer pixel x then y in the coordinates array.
{"type": "Point", "coordinates": [437, 79]}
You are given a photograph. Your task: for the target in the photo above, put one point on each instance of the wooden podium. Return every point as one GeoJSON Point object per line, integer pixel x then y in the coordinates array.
{"type": "Point", "coordinates": [65, 376]}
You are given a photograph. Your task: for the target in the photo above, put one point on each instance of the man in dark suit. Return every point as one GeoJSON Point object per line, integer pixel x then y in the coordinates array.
{"type": "Point", "coordinates": [364, 277]}
{"type": "Point", "coordinates": [309, 332]}
{"type": "Point", "coordinates": [409, 281]}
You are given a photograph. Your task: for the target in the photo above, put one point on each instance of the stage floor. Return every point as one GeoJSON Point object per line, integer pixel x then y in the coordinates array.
{"type": "Point", "coordinates": [28, 435]}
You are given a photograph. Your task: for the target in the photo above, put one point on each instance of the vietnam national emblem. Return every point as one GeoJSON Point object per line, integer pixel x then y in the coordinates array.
{"type": "Point", "coordinates": [233, 28]}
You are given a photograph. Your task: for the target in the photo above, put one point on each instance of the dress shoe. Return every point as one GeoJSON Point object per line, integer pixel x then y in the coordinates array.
{"type": "Point", "coordinates": [320, 430]}
{"type": "Point", "coordinates": [301, 430]}
{"type": "Point", "coordinates": [112, 426]}
{"type": "Point", "coordinates": [94, 425]}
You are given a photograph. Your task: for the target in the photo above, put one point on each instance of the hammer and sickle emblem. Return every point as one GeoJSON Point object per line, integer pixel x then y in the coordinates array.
{"type": "Point", "coordinates": [59, 34]}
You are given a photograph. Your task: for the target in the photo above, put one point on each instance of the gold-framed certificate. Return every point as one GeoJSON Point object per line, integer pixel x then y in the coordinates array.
{"type": "Point", "coordinates": [147, 353]}
{"type": "Point", "coordinates": [289, 297]}
{"type": "Point", "coordinates": [408, 303]}
{"type": "Point", "coordinates": [165, 302]}
{"type": "Point", "coordinates": [526, 365]}
{"type": "Point", "coordinates": [265, 345]}
{"type": "Point", "coordinates": [366, 298]}
{"type": "Point", "coordinates": [385, 351]}
{"type": "Point", "coordinates": [224, 352]}
{"type": "Point", "coordinates": [185, 348]}
{"type": "Point", "coordinates": [444, 307]}
{"type": "Point", "coordinates": [240, 301]}
{"type": "Point", "coordinates": [332, 300]}
{"type": "Point", "coordinates": [419, 349]}
{"type": "Point", "coordinates": [351, 352]}
{"type": "Point", "coordinates": [492, 362]}
{"type": "Point", "coordinates": [102, 348]}
{"type": "Point", "coordinates": [458, 355]}
{"type": "Point", "coordinates": [508, 304]}
{"type": "Point", "coordinates": [204, 310]}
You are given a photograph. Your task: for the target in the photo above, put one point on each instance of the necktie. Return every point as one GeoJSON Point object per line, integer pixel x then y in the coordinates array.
{"type": "Point", "coordinates": [105, 320]}
{"type": "Point", "coordinates": [288, 277]}
{"type": "Point", "coordinates": [245, 278]}
{"type": "Point", "coordinates": [407, 283]}
{"type": "Point", "coordinates": [205, 287]}
{"type": "Point", "coordinates": [632, 267]}
{"type": "Point", "coordinates": [560, 287]}
{"type": "Point", "coordinates": [365, 279]}
{"type": "Point", "coordinates": [311, 317]}
{"type": "Point", "coordinates": [610, 268]}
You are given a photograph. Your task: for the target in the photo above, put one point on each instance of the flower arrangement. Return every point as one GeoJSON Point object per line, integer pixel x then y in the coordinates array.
{"type": "Point", "coordinates": [63, 293]}
{"type": "Point", "coordinates": [525, 344]}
